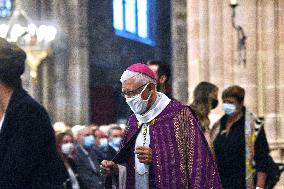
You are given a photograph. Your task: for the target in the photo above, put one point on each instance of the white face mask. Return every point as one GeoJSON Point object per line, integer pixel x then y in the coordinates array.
{"type": "Point", "coordinates": [137, 104]}
{"type": "Point", "coordinates": [229, 109]}
{"type": "Point", "coordinates": [67, 148]}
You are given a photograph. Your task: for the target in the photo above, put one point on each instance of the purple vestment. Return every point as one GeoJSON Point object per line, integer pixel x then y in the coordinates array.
{"type": "Point", "coordinates": [181, 156]}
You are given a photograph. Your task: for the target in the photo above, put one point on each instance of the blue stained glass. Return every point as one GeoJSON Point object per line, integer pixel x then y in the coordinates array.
{"type": "Point", "coordinates": [5, 8]}
{"type": "Point", "coordinates": [131, 19]}
{"type": "Point", "coordinates": [130, 16]}
{"type": "Point", "coordinates": [142, 18]}
{"type": "Point", "coordinates": [118, 14]}
{"type": "Point", "coordinates": [8, 4]}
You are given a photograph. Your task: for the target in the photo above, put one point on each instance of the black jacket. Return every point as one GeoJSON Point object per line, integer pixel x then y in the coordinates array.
{"type": "Point", "coordinates": [28, 156]}
{"type": "Point", "coordinates": [68, 183]}
{"type": "Point", "coordinates": [90, 176]}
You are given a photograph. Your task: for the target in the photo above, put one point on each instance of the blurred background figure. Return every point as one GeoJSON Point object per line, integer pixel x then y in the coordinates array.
{"type": "Point", "coordinates": [94, 126]}
{"type": "Point", "coordinates": [86, 160]}
{"type": "Point", "coordinates": [101, 142]}
{"type": "Point", "coordinates": [101, 136]}
{"type": "Point", "coordinates": [163, 74]}
{"type": "Point", "coordinates": [240, 144]}
{"type": "Point", "coordinates": [66, 149]}
{"type": "Point", "coordinates": [60, 127]}
{"type": "Point", "coordinates": [205, 98]}
{"type": "Point", "coordinates": [107, 146]}
{"type": "Point", "coordinates": [115, 135]}
{"type": "Point", "coordinates": [75, 129]}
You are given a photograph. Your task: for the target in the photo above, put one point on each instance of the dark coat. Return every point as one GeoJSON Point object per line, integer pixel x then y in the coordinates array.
{"type": "Point", "coordinates": [28, 155]}
{"type": "Point", "coordinates": [68, 182]}
{"type": "Point", "coordinates": [105, 153]}
{"type": "Point", "coordinates": [90, 177]}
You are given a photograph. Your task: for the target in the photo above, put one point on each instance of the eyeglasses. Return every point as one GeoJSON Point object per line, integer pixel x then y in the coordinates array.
{"type": "Point", "coordinates": [130, 94]}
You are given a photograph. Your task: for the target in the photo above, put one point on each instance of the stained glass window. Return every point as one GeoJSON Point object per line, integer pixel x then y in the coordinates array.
{"type": "Point", "coordinates": [132, 19]}
{"type": "Point", "coordinates": [6, 7]}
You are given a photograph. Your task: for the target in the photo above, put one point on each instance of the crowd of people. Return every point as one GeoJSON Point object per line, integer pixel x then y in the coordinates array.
{"type": "Point", "coordinates": [166, 144]}
{"type": "Point", "coordinates": [82, 148]}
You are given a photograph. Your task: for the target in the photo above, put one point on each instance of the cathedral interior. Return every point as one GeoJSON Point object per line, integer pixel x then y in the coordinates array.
{"type": "Point", "coordinates": [78, 49]}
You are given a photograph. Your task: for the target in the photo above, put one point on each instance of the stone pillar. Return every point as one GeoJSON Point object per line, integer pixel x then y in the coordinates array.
{"type": "Point", "coordinates": [204, 40]}
{"type": "Point", "coordinates": [229, 46]}
{"type": "Point", "coordinates": [71, 91]}
{"type": "Point", "coordinates": [260, 63]}
{"type": "Point", "coordinates": [216, 50]}
{"type": "Point", "coordinates": [193, 41]}
{"type": "Point", "coordinates": [216, 43]}
{"type": "Point", "coordinates": [78, 72]}
{"type": "Point", "coordinates": [269, 60]}
{"type": "Point", "coordinates": [46, 77]}
{"type": "Point", "coordinates": [59, 91]}
{"type": "Point", "coordinates": [280, 56]}
{"type": "Point", "coordinates": [246, 74]}
{"type": "Point", "coordinates": [179, 50]}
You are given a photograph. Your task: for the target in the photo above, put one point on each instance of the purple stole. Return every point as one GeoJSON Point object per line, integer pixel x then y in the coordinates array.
{"type": "Point", "coordinates": [181, 156]}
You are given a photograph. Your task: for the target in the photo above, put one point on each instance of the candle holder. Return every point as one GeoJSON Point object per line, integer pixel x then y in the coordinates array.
{"type": "Point", "coordinates": [241, 46]}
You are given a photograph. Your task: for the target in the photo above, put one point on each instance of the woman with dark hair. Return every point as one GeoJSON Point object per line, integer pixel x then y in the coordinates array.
{"type": "Point", "coordinates": [240, 144]}
{"type": "Point", "coordinates": [205, 98]}
{"type": "Point", "coordinates": [65, 147]}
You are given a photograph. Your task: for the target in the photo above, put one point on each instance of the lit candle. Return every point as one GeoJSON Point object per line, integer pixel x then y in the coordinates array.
{"type": "Point", "coordinates": [234, 2]}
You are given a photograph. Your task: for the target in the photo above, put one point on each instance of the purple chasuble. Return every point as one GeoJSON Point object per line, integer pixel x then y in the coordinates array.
{"type": "Point", "coordinates": [181, 156]}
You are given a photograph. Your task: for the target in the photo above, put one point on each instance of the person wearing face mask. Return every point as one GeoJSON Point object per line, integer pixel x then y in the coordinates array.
{"type": "Point", "coordinates": [240, 144]}
{"type": "Point", "coordinates": [111, 145]}
{"type": "Point", "coordinates": [101, 144]}
{"type": "Point", "coordinates": [163, 146]}
{"type": "Point", "coordinates": [115, 137]}
{"type": "Point", "coordinates": [66, 149]}
{"type": "Point", "coordinates": [107, 147]}
{"type": "Point", "coordinates": [205, 99]}
{"type": "Point", "coordinates": [86, 159]}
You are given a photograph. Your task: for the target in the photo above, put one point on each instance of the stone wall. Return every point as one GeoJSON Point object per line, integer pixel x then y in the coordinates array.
{"type": "Point", "coordinates": [212, 56]}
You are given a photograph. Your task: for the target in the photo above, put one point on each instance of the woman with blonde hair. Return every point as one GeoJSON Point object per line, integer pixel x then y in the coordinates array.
{"type": "Point", "coordinates": [205, 98]}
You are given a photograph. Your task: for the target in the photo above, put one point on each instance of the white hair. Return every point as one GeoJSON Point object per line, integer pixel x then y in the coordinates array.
{"type": "Point", "coordinates": [76, 129]}
{"type": "Point", "coordinates": [60, 127]}
{"type": "Point", "coordinates": [138, 77]}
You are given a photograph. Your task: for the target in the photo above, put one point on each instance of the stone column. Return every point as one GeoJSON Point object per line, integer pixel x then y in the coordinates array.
{"type": "Point", "coordinates": [179, 50]}
{"type": "Point", "coordinates": [47, 82]}
{"type": "Point", "coordinates": [247, 74]}
{"type": "Point", "coordinates": [229, 46]}
{"type": "Point", "coordinates": [216, 43]}
{"type": "Point", "coordinates": [193, 42]}
{"type": "Point", "coordinates": [280, 55]}
{"type": "Point", "coordinates": [204, 40]}
{"type": "Point", "coordinates": [71, 91]}
{"type": "Point", "coordinates": [59, 91]}
{"type": "Point", "coordinates": [269, 60]}
{"type": "Point", "coordinates": [78, 71]}
{"type": "Point", "coordinates": [260, 63]}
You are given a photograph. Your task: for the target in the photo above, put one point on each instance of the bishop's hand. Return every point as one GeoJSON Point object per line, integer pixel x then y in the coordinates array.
{"type": "Point", "coordinates": [108, 168]}
{"type": "Point", "coordinates": [144, 154]}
